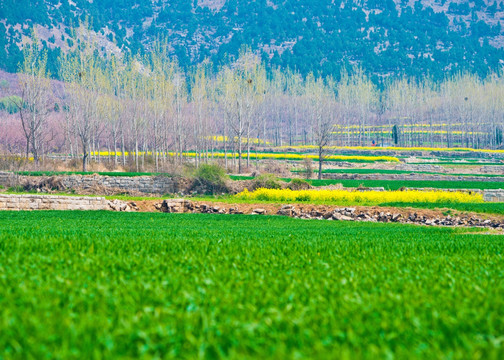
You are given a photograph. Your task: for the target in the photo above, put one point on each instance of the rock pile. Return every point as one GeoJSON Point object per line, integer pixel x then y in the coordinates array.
{"type": "Point", "coordinates": [118, 205]}
{"type": "Point", "coordinates": [351, 214]}
{"type": "Point", "coordinates": [183, 206]}
{"type": "Point", "coordinates": [336, 214]}
{"type": "Point", "coordinates": [175, 206]}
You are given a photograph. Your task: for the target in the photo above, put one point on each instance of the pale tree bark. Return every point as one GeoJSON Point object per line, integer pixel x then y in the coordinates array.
{"type": "Point", "coordinates": [243, 87]}
{"type": "Point", "coordinates": [322, 104]}
{"type": "Point", "coordinates": [34, 103]}
{"type": "Point", "coordinates": [84, 81]}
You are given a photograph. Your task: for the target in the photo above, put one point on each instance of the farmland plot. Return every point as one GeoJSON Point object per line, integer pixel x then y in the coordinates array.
{"type": "Point", "coordinates": [152, 285]}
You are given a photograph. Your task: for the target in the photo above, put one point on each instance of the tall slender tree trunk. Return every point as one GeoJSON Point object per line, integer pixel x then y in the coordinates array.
{"type": "Point", "coordinates": [321, 159]}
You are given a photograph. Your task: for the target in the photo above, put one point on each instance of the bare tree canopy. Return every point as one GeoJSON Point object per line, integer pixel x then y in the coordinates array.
{"type": "Point", "coordinates": [34, 103]}
{"type": "Point", "coordinates": [148, 109]}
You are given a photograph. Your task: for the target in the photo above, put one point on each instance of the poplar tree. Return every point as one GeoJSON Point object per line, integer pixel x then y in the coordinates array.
{"type": "Point", "coordinates": [34, 103]}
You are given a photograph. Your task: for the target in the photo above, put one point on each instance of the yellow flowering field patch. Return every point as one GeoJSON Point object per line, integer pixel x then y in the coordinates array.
{"type": "Point", "coordinates": [349, 196]}
{"type": "Point", "coordinates": [272, 156]}
{"type": "Point", "coordinates": [393, 148]}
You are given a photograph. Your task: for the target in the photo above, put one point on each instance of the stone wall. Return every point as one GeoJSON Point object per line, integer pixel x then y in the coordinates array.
{"type": "Point", "coordinates": [421, 167]}
{"type": "Point", "coordinates": [145, 184]}
{"type": "Point", "coordinates": [492, 169]}
{"type": "Point", "coordinates": [496, 195]}
{"type": "Point", "coordinates": [51, 202]}
{"type": "Point", "coordinates": [466, 154]}
{"type": "Point", "coordinates": [8, 179]}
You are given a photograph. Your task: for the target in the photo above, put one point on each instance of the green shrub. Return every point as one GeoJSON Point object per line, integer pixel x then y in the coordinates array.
{"type": "Point", "coordinates": [266, 181]}
{"type": "Point", "coordinates": [17, 188]}
{"type": "Point", "coordinates": [22, 189]}
{"type": "Point", "coordinates": [298, 184]}
{"type": "Point", "coordinates": [211, 177]}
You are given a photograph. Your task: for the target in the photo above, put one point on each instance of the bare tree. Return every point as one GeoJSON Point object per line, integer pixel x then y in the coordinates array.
{"type": "Point", "coordinates": [243, 85]}
{"type": "Point", "coordinates": [144, 104]}
{"type": "Point", "coordinates": [34, 103]}
{"type": "Point", "coordinates": [83, 81]}
{"type": "Point", "coordinates": [322, 116]}
{"type": "Point", "coordinates": [200, 97]}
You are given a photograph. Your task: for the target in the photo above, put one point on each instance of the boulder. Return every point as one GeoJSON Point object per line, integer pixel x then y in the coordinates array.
{"type": "Point", "coordinates": [176, 205]}
{"type": "Point", "coordinates": [259, 211]}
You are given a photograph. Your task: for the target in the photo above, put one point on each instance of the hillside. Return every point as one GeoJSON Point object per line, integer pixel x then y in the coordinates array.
{"type": "Point", "coordinates": [387, 37]}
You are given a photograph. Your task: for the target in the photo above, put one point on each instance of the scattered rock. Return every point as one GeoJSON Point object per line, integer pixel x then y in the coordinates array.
{"type": "Point", "coordinates": [259, 211]}
{"type": "Point", "coordinates": [328, 215]}
{"type": "Point", "coordinates": [118, 205]}
{"type": "Point", "coordinates": [176, 205]}
{"type": "Point", "coordinates": [338, 216]}
{"type": "Point", "coordinates": [286, 210]}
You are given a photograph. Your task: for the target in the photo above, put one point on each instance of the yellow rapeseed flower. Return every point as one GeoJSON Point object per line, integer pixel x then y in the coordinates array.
{"type": "Point", "coordinates": [349, 196]}
{"type": "Point", "coordinates": [392, 148]}
{"type": "Point", "coordinates": [278, 156]}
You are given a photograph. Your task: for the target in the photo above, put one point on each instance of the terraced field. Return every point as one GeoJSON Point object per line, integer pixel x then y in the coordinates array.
{"type": "Point", "coordinates": [398, 184]}
{"type": "Point", "coordinates": [77, 285]}
{"type": "Point", "coordinates": [398, 172]}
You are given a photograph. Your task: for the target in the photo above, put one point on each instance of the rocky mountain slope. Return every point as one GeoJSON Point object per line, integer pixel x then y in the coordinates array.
{"type": "Point", "coordinates": [385, 37]}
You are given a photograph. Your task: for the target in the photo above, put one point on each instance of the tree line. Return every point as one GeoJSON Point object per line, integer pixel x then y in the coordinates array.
{"type": "Point", "coordinates": [148, 107]}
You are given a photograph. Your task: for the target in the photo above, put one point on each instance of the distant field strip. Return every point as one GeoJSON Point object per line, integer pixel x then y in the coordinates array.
{"type": "Point", "coordinates": [272, 156]}
{"type": "Point", "coordinates": [398, 184]}
{"type": "Point", "coordinates": [486, 208]}
{"type": "Point", "coordinates": [459, 163]}
{"type": "Point", "coordinates": [82, 285]}
{"type": "Point", "coordinates": [396, 148]}
{"type": "Point", "coordinates": [393, 172]}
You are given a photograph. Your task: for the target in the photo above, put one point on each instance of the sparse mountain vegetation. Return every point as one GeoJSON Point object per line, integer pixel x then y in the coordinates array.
{"type": "Point", "coordinates": [385, 38]}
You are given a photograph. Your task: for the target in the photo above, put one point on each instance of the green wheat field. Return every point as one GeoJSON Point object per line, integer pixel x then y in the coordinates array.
{"type": "Point", "coordinates": [103, 285]}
